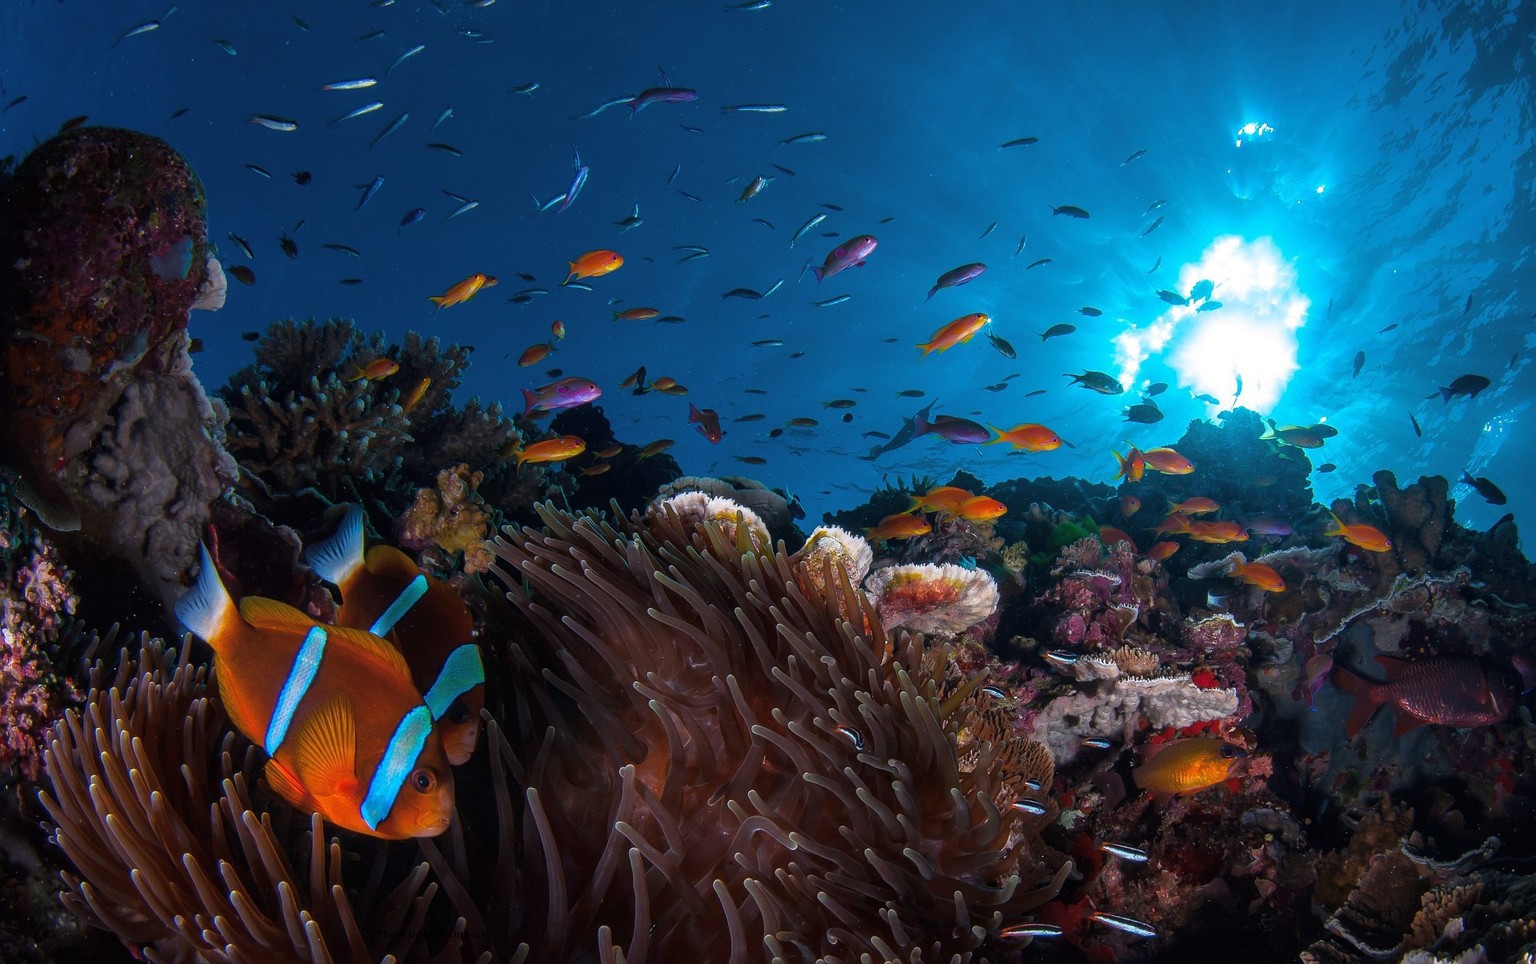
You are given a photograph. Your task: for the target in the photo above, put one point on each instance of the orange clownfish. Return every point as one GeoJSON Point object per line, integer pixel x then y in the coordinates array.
{"type": "Point", "coordinates": [957, 332]}
{"type": "Point", "coordinates": [387, 594]}
{"type": "Point", "coordinates": [1029, 437]}
{"type": "Point", "coordinates": [348, 734]}
{"type": "Point", "coordinates": [463, 291]}
{"type": "Point", "coordinates": [1369, 538]}
{"type": "Point", "coordinates": [594, 264]}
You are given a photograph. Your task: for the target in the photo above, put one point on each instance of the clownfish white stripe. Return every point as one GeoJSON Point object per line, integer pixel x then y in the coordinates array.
{"type": "Point", "coordinates": [462, 671]}
{"type": "Point", "coordinates": [305, 665]}
{"type": "Point", "coordinates": [399, 756]}
{"type": "Point", "coordinates": [408, 597]}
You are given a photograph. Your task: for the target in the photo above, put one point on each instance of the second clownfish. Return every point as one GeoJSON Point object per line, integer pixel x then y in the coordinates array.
{"type": "Point", "coordinates": [387, 594]}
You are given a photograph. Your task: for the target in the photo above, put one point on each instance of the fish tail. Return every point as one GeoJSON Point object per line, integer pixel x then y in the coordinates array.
{"type": "Point", "coordinates": [206, 609]}
{"type": "Point", "coordinates": [819, 273]}
{"type": "Point", "coordinates": [1445, 395]}
{"type": "Point", "coordinates": [1363, 692]}
{"type": "Point", "coordinates": [930, 292]}
{"type": "Point", "coordinates": [437, 300]}
{"type": "Point", "coordinates": [1338, 526]}
{"type": "Point", "coordinates": [920, 424]}
{"type": "Point", "coordinates": [339, 558]}
{"type": "Point", "coordinates": [1125, 465]}
{"type": "Point", "coordinates": [530, 401]}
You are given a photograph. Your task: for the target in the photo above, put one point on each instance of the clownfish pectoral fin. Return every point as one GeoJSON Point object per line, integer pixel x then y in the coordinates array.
{"type": "Point", "coordinates": [287, 786]}
{"type": "Point", "coordinates": [206, 608]}
{"type": "Point", "coordinates": [325, 751]}
{"type": "Point", "coordinates": [338, 559]}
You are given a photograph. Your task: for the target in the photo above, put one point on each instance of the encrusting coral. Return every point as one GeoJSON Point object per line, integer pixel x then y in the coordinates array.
{"type": "Point", "coordinates": [693, 752]}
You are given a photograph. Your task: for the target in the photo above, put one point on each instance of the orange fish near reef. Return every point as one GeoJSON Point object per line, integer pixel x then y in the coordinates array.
{"type": "Point", "coordinates": [1217, 532]}
{"type": "Point", "coordinates": [1448, 690]}
{"type": "Point", "coordinates": [594, 264]}
{"type": "Point", "coordinates": [387, 594]}
{"type": "Point", "coordinates": [1129, 505]}
{"type": "Point", "coordinates": [708, 421]}
{"type": "Point", "coordinates": [982, 508]}
{"type": "Point", "coordinates": [534, 354]}
{"type": "Point", "coordinates": [1199, 505]}
{"type": "Point", "coordinates": [1109, 535]}
{"type": "Point", "coordinates": [1259, 574]}
{"type": "Point", "coordinates": [1162, 550]}
{"type": "Point", "coordinates": [635, 314]}
{"type": "Point", "coordinates": [1029, 437]}
{"type": "Point", "coordinates": [944, 498]}
{"type": "Point", "coordinates": [957, 332]}
{"type": "Point", "coordinates": [551, 450]}
{"type": "Point", "coordinates": [1133, 465]}
{"type": "Point", "coordinates": [348, 734]}
{"type": "Point", "coordinates": [1366, 537]}
{"type": "Point", "coordinates": [655, 448]}
{"type": "Point", "coordinates": [1167, 461]}
{"type": "Point", "coordinates": [899, 526]}
{"type": "Point", "coordinates": [1188, 766]}
{"type": "Point", "coordinates": [463, 291]}
{"type": "Point", "coordinates": [416, 394]}
{"type": "Point", "coordinates": [375, 370]}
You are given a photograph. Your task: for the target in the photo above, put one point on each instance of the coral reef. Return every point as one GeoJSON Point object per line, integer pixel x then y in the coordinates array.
{"type": "Point", "coordinates": [943, 600]}
{"type": "Point", "coordinates": [103, 253]}
{"type": "Point", "coordinates": [449, 518]}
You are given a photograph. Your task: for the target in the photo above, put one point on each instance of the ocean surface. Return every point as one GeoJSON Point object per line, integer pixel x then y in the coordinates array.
{"type": "Point", "coordinates": [1351, 177]}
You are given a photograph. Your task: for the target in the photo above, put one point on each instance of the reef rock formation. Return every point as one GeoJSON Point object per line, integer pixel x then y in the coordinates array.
{"type": "Point", "coordinates": [103, 252]}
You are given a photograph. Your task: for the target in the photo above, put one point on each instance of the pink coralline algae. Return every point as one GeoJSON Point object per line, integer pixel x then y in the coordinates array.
{"type": "Point", "coordinates": [1106, 594]}
{"type": "Point", "coordinates": [36, 602]}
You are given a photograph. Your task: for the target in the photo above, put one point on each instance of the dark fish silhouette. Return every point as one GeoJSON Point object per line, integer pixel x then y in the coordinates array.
{"type": "Point", "coordinates": [1468, 385]}
{"type": "Point", "coordinates": [1101, 382]}
{"type": "Point", "coordinates": [1445, 690]}
{"type": "Point", "coordinates": [1359, 363]}
{"type": "Point", "coordinates": [1485, 488]}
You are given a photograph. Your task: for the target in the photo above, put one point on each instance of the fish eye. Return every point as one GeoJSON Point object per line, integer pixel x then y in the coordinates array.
{"type": "Point", "coordinates": [424, 780]}
{"type": "Point", "coordinates": [1228, 751]}
{"type": "Point", "coordinates": [458, 712]}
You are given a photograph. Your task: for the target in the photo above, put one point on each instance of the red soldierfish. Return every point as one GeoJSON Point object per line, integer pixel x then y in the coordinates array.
{"type": "Point", "coordinates": [846, 255]}
{"type": "Point", "coordinates": [347, 734]}
{"type": "Point", "coordinates": [708, 421]}
{"type": "Point", "coordinates": [955, 277]}
{"type": "Point", "coordinates": [568, 392]}
{"type": "Point", "coordinates": [1446, 690]}
{"type": "Point", "coordinates": [387, 594]}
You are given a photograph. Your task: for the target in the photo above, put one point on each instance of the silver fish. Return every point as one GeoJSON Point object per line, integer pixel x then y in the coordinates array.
{"type": "Point", "coordinates": [142, 28]}
{"type": "Point", "coordinates": [810, 137]}
{"type": "Point", "coordinates": [776, 286]}
{"type": "Point", "coordinates": [580, 284]}
{"type": "Point", "coordinates": [394, 125]}
{"type": "Point", "coordinates": [273, 123]}
{"type": "Point", "coordinates": [447, 113]}
{"type": "Point", "coordinates": [1124, 851]}
{"type": "Point", "coordinates": [810, 223]}
{"type": "Point", "coordinates": [404, 57]}
{"type": "Point", "coordinates": [526, 88]}
{"type": "Point", "coordinates": [990, 228]}
{"type": "Point", "coordinates": [365, 109]}
{"type": "Point", "coordinates": [1129, 925]}
{"type": "Point", "coordinates": [1032, 929]}
{"type": "Point", "coordinates": [755, 109]}
{"type": "Point", "coordinates": [1031, 807]}
{"type": "Point", "coordinates": [369, 192]}
{"type": "Point", "coordinates": [461, 209]}
{"type": "Point", "coordinates": [831, 301]}
{"type": "Point", "coordinates": [358, 84]}
{"type": "Point", "coordinates": [603, 106]}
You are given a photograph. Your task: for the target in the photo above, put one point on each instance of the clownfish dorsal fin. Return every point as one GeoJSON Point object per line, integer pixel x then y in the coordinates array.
{"type": "Point", "coordinates": [264, 613]}
{"type": "Point", "coordinates": [338, 559]}
{"type": "Point", "coordinates": [206, 608]}
{"type": "Point", "coordinates": [371, 646]}
{"type": "Point", "coordinates": [388, 561]}
{"type": "Point", "coordinates": [325, 751]}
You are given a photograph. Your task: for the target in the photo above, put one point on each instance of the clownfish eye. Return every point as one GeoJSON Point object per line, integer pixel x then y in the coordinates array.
{"type": "Point", "coordinates": [458, 713]}
{"type": "Point", "coordinates": [424, 780]}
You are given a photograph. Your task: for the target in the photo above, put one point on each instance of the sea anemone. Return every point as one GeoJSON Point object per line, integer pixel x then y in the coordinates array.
{"type": "Point", "coordinates": [945, 599]}
{"type": "Point", "coordinates": [719, 762]}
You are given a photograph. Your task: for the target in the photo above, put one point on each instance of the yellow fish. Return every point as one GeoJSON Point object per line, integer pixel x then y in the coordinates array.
{"type": "Point", "coordinates": [463, 291]}
{"type": "Point", "coordinates": [1188, 766]}
{"type": "Point", "coordinates": [957, 332]}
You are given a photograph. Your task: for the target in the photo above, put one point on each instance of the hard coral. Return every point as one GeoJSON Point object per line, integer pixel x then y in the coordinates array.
{"type": "Point", "coordinates": [449, 519]}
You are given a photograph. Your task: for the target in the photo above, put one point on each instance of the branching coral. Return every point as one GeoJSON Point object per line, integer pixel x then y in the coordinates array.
{"type": "Point", "coordinates": [775, 781]}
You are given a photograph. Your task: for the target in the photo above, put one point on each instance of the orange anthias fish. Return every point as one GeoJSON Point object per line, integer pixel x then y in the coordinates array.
{"type": "Point", "coordinates": [1173, 525]}
{"type": "Point", "coordinates": [636, 314]}
{"type": "Point", "coordinates": [416, 394]}
{"type": "Point", "coordinates": [594, 264]}
{"type": "Point", "coordinates": [1129, 505]}
{"type": "Point", "coordinates": [1199, 505]}
{"type": "Point", "coordinates": [899, 526]}
{"type": "Point", "coordinates": [534, 354]}
{"type": "Point", "coordinates": [708, 421]}
{"type": "Point", "coordinates": [957, 332]}
{"type": "Point", "coordinates": [1162, 550]}
{"type": "Point", "coordinates": [1366, 537]}
{"type": "Point", "coordinates": [348, 734]}
{"type": "Point", "coordinates": [1447, 690]}
{"type": "Point", "coordinates": [388, 595]}
{"type": "Point", "coordinates": [1028, 436]}
{"type": "Point", "coordinates": [1188, 766]}
{"type": "Point", "coordinates": [981, 508]}
{"type": "Point", "coordinates": [945, 498]}
{"type": "Point", "coordinates": [1133, 465]}
{"type": "Point", "coordinates": [551, 450]}
{"type": "Point", "coordinates": [1259, 574]}
{"type": "Point", "coordinates": [655, 448]}
{"type": "Point", "coordinates": [463, 291]}
{"type": "Point", "coordinates": [558, 330]}
{"type": "Point", "coordinates": [375, 370]}
{"type": "Point", "coordinates": [1109, 535]}
{"type": "Point", "coordinates": [608, 452]}
{"type": "Point", "coordinates": [1167, 461]}
{"type": "Point", "coordinates": [1217, 532]}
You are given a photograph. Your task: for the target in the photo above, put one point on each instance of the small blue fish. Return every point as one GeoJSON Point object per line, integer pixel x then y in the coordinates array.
{"type": "Point", "coordinates": [369, 192]}
{"type": "Point", "coordinates": [1124, 851]}
{"type": "Point", "coordinates": [412, 217]}
{"type": "Point", "coordinates": [1129, 925]}
{"type": "Point", "coordinates": [394, 125]}
{"type": "Point", "coordinates": [578, 180]}
{"type": "Point", "coordinates": [1032, 929]}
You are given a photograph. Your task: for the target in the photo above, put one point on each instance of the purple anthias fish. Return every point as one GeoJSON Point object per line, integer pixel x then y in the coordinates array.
{"type": "Point", "coordinates": [661, 95]}
{"type": "Point", "coordinates": [1266, 526]}
{"type": "Point", "coordinates": [846, 255]}
{"type": "Point", "coordinates": [961, 431]}
{"type": "Point", "coordinates": [566, 393]}
{"type": "Point", "coordinates": [955, 277]}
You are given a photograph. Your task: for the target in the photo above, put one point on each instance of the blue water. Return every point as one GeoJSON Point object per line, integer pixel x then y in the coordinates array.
{"type": "Point", "coordinates": [1395, 186]}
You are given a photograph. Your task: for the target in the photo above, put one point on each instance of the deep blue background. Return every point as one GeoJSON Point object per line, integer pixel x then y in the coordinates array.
{"type": "Point", "coordinates": [1418, 118]}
